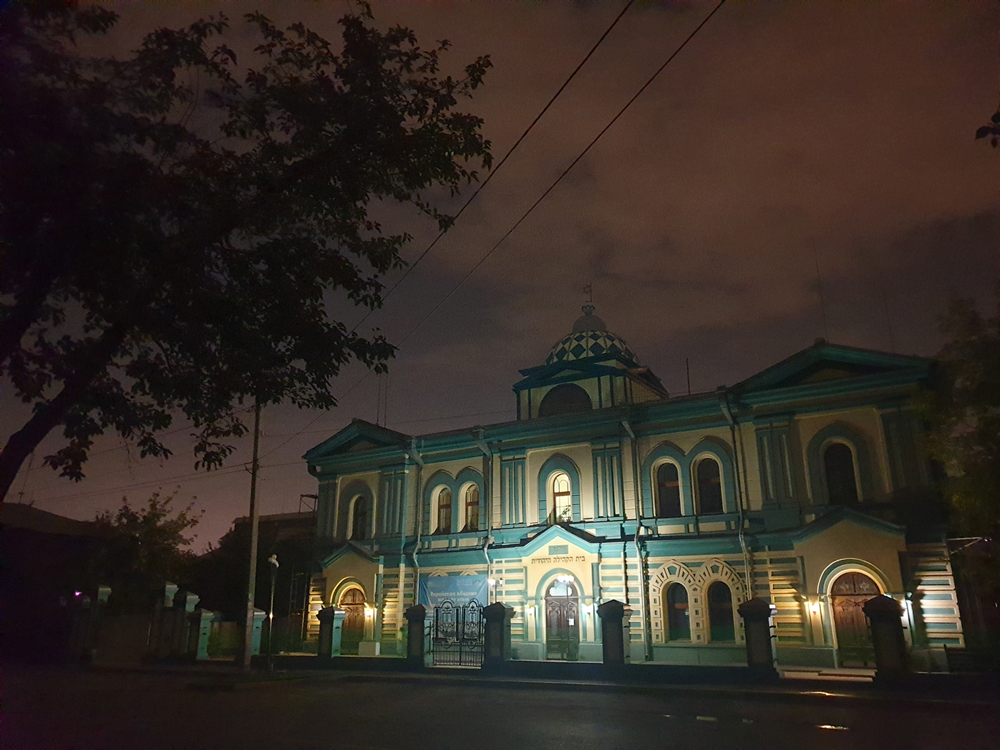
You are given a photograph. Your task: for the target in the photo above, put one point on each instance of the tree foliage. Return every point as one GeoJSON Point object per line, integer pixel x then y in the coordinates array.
{"type": "Point", "coordinates": [143, 548]}
{"type": "Point", "coordinates": [991, 131]}
{"type": "Point", "coordinates": [175, 224]}
{"type": "Point", "coordinates": [964, 411]}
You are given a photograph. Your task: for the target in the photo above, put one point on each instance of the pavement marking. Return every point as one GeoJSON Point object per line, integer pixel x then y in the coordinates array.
{"type": "Point", "coordinates": [706, 718]}
{"type": "Point", "coordinates": [748, 721]}
{"type": "Point", "coordinates": [833, 727]}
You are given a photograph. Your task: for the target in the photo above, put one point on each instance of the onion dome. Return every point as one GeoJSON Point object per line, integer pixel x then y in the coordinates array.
{"type": "Point", "coordinates": [590, 338]}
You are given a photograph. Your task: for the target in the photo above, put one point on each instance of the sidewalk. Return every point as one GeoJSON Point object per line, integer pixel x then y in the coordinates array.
{"type": "Point", "coordinates": [796, 684]}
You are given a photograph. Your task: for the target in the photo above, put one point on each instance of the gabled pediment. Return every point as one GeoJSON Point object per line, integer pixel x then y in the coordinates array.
{"type": "Point", "coordinates": [559, 372]}
{"type": "Point", "coordinates": [559, 536]}
{"type": "Point", "coordinates": [348, 550]}
{"type": "Point", "coordinates": [843, 516]}
{"type": "Point", "coordinates": [823, 362]}
{"type": "Point", "coordinates": [357, 437]}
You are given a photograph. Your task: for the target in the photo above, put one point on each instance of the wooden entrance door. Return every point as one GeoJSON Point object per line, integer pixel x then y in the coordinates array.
{"type": "Point", "coordinates": [353, 603]}
{"type": "Point", "coordinates": [849, 594]}
{"type": "Point", "coordinates": [562, 622]}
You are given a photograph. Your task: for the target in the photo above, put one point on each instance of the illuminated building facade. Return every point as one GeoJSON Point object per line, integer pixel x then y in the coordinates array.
{"type": "Point", "coordinates": [804, 485]}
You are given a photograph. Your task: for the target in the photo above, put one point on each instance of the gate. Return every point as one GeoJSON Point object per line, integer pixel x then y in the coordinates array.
{"type": "Point", "coordinates": [457, 635]}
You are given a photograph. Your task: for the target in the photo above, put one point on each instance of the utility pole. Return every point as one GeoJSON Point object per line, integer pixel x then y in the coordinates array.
{"type": "Point", "coordinates": [254, 524]}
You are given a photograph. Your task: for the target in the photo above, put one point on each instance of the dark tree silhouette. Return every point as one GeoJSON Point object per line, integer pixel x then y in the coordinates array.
{"type": "Point", "coordinates": [142, 548]}
{"type": "Point", "coordinates": [173, 225]}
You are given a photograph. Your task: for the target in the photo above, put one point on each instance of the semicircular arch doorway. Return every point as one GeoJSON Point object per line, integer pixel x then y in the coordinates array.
{"type": "Point", "coordinates": [848, 595]}
{"type": "Point", "coordinates": [562, 620]}
{"type": "Point", "coordinates": [352, 602]}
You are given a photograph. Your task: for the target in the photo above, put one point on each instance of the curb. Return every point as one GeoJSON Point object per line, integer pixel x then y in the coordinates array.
{"type": "Point", "coordinates": [821, 692]}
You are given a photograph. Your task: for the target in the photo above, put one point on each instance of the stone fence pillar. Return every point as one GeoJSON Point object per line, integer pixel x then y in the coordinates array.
{"type": "Point", "coordinates": [884, 614]}
{"type": "Point", "coordinates": [613, 644]}
{"type": "Point", "coordinates": [759, 629]}
{"type": "Point", "coordinates": [415, 617]}
{"type": "Point", "coordinates": [331, 630]}
{"type": "Point", "coordinates": [199, 631]}
{"type": "Point", "coordinates": [496, 640]}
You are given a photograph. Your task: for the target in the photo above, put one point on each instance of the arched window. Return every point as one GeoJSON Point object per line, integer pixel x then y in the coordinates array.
{"type": "Point", "coordinates": [841, 481]}
{"type": "Point", "coordinates": [709, 486]}
{"type": "Point", "coordinates": [678, 620]}
{"type": "Point", "coordinates": [562, 497]}
{"type": "Point", "coordinates": [668, 491]}
{"type": "Point", "coordinates": [444, 511]}
{"type": "Point", "coordinates": [359, 522]}
{"type": "Point", "coordinates": [472, 508]}
{"type": "Point", "coordinates": [564, 399]}
{"type": "Point", "coordinates": [720, 613]}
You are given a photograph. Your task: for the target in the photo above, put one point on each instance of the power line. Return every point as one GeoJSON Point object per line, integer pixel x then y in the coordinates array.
{"type": "Point", "coordinates": [461, 210]}
{"type": "Point", "coordinates": [507, 234]}
{"type": "Point", "coordinates": [198, 475]}
{"type": "Point", "coordinates": [500, 164]}
{"type": "Point", "coordinates": [527, 213]}
{"type": "Point", "coordinates": [190, 477]}
{"type": "Point", "coordinates": [564, 173]}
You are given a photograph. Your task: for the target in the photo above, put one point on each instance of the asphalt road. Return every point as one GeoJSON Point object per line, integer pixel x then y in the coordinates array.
{"type": "Point", "coordinates": [48, 709]}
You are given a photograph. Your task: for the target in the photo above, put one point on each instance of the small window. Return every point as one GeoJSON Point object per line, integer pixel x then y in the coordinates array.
{"type": "Point", "coordinates": [841, 484]}
{"type": "Point", "coordinates": [472, 508]}
{"type": "Point", "coordinates": [720, 613]}
{"type": "Point", "coordinates": [444, 511]}
{"type": "Point", "coordinates": [709, 487]}
{"type": "Point", "coordinates": [668, 491]}
{"type": "Point", "coordinates": [678, 620]}
{"type": "Point", "coordinates": [359, 525]}
{"type": "Point", "coordinates": [562, 495]}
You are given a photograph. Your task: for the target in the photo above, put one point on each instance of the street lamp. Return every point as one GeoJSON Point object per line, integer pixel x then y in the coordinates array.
{"type": "Point", "coordinates": [273, 559]}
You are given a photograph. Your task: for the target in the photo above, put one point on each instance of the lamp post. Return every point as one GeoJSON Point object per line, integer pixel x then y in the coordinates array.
{"type": "Point", "coordinates": [273, 559]}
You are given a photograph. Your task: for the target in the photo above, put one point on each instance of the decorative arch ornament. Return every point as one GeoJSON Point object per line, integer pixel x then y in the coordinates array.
{"type": "Point", "coordinates": [546, 504]}
{"type": "Point", "coordinates": [443, 478]}
{"type": "Point", "coordinates": [860, 446]}
{"type": "Point", "coordinates": [696, 581]}
{"type": "Point", "coordinates": [345, 585]}
{"type": "Point", "coordinates": [706, 447]}
{"type": "Point", "coordinates": [837, 568]}
{"type": "Point", "coordinates": [719, 571]}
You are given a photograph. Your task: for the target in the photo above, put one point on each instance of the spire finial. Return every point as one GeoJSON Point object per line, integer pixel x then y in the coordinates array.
{"type": "Point", "coordinates": [588, 307]}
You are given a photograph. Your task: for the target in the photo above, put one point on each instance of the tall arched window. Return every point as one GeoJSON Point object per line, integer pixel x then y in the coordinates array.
{"type": "Point", "coordinates": [678, 619]}
{"type": "Point", "coordinates": [562, 497]}
{"type": "Point", "coordinates": [709, 486]}
{"type": "Point", "coordinates": [668, 491]}
{"type": "Point", "coordinates": [720, 613]}
{"type": "Point", "coordinates": [841, 481]}
{"type": "Point", "coordinates": [359, 522]}
{"type": "Point", "coordinates": [444, 511]}
{"type": "Point", "coordinates": [472, 508]}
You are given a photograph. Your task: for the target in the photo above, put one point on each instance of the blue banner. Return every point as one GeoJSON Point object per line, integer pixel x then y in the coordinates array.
{"type": "Point", "coordinates": [459, 590]}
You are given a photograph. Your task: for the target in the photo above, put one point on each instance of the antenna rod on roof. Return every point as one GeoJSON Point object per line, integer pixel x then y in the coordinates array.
{"type": "Point", "coordinates": [687, 368]}
{"type": "Point", "coordinates": [819, 290]}
{"type": "Point", "coordinates": [885, 308]}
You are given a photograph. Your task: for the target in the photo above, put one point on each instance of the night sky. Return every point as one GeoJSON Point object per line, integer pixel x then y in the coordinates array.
{"type": "Point", "coordinates": [786, 136]}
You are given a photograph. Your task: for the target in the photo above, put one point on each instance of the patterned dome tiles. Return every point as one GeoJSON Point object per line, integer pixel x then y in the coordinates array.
{"type": "Point", "coordinates": [584, 344]}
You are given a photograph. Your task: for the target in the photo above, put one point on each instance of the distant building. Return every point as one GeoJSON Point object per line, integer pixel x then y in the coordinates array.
{"type": "Point", "coordinates": [282, 527]}
{"type": "Point", "coordinates": [804, 485]}
{"type": "Point", "coordinates": [46, 561]}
